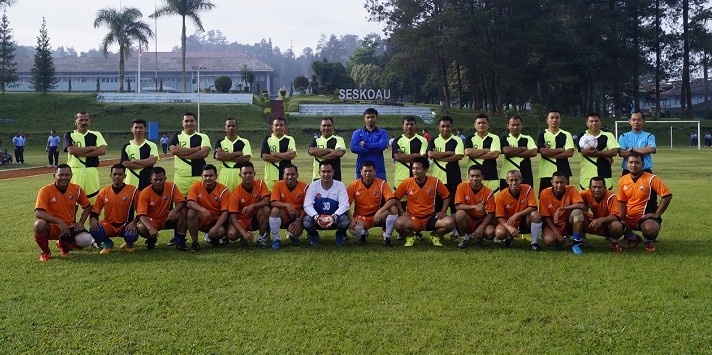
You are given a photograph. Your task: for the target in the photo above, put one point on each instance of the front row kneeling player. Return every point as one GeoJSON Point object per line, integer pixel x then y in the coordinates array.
{"type": "Point", "coordinates": [117, 201]}
{"type": "Point", "coordinates": [160, 206]}
{"type": "Point", "coordinates": [374, 204]}
{"type": "Point", "coordinates": [561, 208]}
{"type": "Point", "coordinates": [604, 219]}
{"type": "Point", "coordinates": [208, 202]}
{"type": "Point", "coordinates": [249, 208]}
{"type": "Point", "coordinates": [516, 212]}
{"type": "Point", "coordinates": [475, 207]}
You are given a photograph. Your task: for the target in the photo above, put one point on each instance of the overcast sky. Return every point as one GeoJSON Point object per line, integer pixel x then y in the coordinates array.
{"type": "Point", "coordinates": [289, 23]}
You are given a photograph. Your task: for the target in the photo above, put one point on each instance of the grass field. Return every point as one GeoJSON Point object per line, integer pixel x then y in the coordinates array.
{"type": "Point", "coordinates": [364, 299]}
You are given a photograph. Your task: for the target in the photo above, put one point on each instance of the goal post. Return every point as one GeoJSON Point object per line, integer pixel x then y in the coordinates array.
{"type": "Point", "coordinates": [668, 130]}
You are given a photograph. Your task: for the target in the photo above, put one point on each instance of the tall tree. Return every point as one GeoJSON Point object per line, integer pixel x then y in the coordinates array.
{"type": "Point", "coordinates": [43, 74]}
{"type": "Point", "coordinates": [8, 74]}
{"type": "Point", "coordinates": [125, 28]}
{"type": "Point", "coordinates": [248, 76]}
{"type": "Point", "coordinates": [184, 8]}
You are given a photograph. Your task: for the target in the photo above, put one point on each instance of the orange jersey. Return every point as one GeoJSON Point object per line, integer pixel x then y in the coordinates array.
{"type": "Point", "coordinates": [636, 193]}
{"type": "Point", "coordinates": [156, 205]}
{"type": "Point", "coordinates": [548, 203]}
{"type": "Point", "coordinates": [294, 197]}
{"type": "Point", "coordinates": [61, 204]}
{"type": "Point", "coordinates": [117, 206]}
{"type": "Point", "coordinates": [606, 207]}
{"type": "Point", "coordinates": [216, 201]}
{"type": "Point", "coordinates": [368, 199]}
{"type": "Point", "coordinates": [241, 198]}
{"type": "Point", "coordinates": [507, 205]}
{"type": "Point", "coordinates": [421, 199]}
{"type": "Point", "coordinates": [465, 195]}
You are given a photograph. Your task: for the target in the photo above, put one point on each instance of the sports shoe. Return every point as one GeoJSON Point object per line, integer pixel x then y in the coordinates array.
{"type": "Point", "coordinates": [172, 242]}
{"type": "Point", "coordinates": [400, 237]}
{"type": "Point", "coordinates": [535, 247]}
{"type": "Point", "coordinates": [244, 243]}
{"type": "Point", "coordinates": [419, 236]}
{"type": "Point", "coordinates": [130, 249]}
{"type": "Point", "coordinates": [362, 239]}
{"type": "Point", "coordinates": [616, 248]}
{"type": "Point", "coordinates": [649, 246]}
{"type": "Point", "coordinates": [464, 244]}
{"type": "Point", "coordinates": [314, 240]}
{"type": "Point", "coordinates": [261, 243]}
{"type": "Point", "coordinates": [63, 249]}
{"type": "Point", "coordinates": [180, 245]}
{"type": "Point", "coordinates": [276, 244]}
{"type": "Point", "coordinates": [508, 242]}
{"type": "Point", "coordinates": [207, 238]}
{"type": "Point", "coordinates": [44, 257]}
{"type": "Point", "coordinates": [339, 239]}
{"type": "Point", "coordinates": [409, 241]}
{"type": "Point", "coordinates": [387, 242]}
{"type": "Point", "coordinates": [577, 249]}
{"type": "Point", "coordinates": [436, 241]}
{"type": "Point", "coordinates": [454, 236]}
{"type": "Point", "coordinates": [195, 246]}
{"type": "Point", "coordinates": [632, 243]}
{"type": "Point", "coordinates": [106, 247]}
{"type": "Point", "coordinates": [151, 243]}
{"type": "Point", "coordinates": [480, 242]}
{"type": "Point", "coordinates": [294, 240]}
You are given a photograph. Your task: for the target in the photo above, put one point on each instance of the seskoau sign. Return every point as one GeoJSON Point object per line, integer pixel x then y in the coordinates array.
{"type": "Point", "coordinates": [364, 94]}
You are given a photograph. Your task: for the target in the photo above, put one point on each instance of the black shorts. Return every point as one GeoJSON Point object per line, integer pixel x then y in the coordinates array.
{"type": "Point", "coordinates": [659, 220]}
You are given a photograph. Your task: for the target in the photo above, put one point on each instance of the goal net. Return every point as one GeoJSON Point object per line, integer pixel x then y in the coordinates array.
{"type": "Point", "coordinates": [672, 134]}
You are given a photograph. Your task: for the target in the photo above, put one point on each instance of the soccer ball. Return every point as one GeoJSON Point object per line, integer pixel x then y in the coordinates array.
{"type": "Point", "coordinates": [588, 141]}
{"type": "Point", "coordinates": [83, 239]}
{"type": "Point", "coordinates": [357, 230]}
{"type": "Point", "coordinates": [325, 220]}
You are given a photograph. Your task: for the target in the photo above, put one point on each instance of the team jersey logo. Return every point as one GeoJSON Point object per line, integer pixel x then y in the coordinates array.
{"type": "Point", "coordinates": [52, 200]}
{"type": "Point", "coordinates": [124, 198]}
{"type": "Point", "coordinates": [216, 199]}
{"type": "Point", "coordinates": [71, 196]}
{"type": "Point", "coordinates": [523, 202]}
{"type": "Point", "coordinates": [165, 198]}
{"type": "Point", "coordinates": [318, 195]}
{"type": "Point", "coordinates": [358, 193]}
{"type": "Point", "coordinates": [106, 199]}
{"type": "Point", "coordinates": [642, 188]}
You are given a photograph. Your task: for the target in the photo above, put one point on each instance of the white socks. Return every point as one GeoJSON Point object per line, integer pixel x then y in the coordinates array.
{"type": "Point", "coordinates": [536, 232]}
{"type": "Point", "coordinates": [274, 224]}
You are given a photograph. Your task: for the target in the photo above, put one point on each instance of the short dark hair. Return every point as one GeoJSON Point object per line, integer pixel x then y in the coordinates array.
{"type": "Point", "coordinates": [639, 112]}
{"type": "Point", "coordinates": [210, 167]}
{"type": "Point", "coordinates": [82, 113]}
{"type": "Point", "coordinates": [445, 118]}
{"type": "Point", "coordinates": [596, 178]}
{"type": "Point", "coordinates": [139, 121]}
{"type": "Point", "coordinates": [476, 167]}
{"type": "Point", "coordinates": [423, 161]}
{"type": "Point", "coordinates": [231, 119]}
{"type": "Point", "coordinates": [248, 164]}
{"type": "Point", "coordinates": [291, 166]}
{"type": "Point", "coordinates": [118, 166]}
{"type": "Point", "coordinates": [278, 118]}
{"type": "Point", "coordinates": [593, 114]}
{"type": "Point", "coordinates": [559, 174]}
{"type": "Point", "coordinates": [370, 111]}
{"type": "Point", "coordinates": [409, 118]}
{"type": "Point", "coordinates": [515, 117]}
{"type": "Point", "coordinates": [62, 166]}
{"type": "Point", "coordinates": [369, 163]}
{"type": "Point", "coordinates": [326, 162]}
{"type": "Point", "coordinates": [635, 154]}
{"type": "Point", "coordinates": [158, 170]}
{"type": "Point", "coordinates": [482, 115]}
{"type": "Point", "coordinates": [553, 110]}
{"type": "Point", "coordinates": [328, 118]}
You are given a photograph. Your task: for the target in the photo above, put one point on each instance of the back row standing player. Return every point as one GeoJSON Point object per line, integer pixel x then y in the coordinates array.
{"type": "Point", "coordinates": [232, 152]}
{"type": "Point", "coordinates": [556, 146]}
{"type": "Point", "coordinates": [368, 144]}
{"type": "Point", "coordinates": [190, 149]}
{"type": "Point", "coordinates": [518, 149]}
{"type": "Point", "coordinates": [278, 150]}
{"type": "Point", "coordinates": [446, 150]}
{"type": "Point", "coordinates": [138, 156]}
{"type": "Point", "coordinates": [597, 161]}
{"type": "Point", "coordinates": [405, 148]}
{"type": "Point", "coordinates": [328, 146]}
{"type": "Point", "coordinates": [84, 147]}
{"type": "Point", "coordinates": [483, 149]}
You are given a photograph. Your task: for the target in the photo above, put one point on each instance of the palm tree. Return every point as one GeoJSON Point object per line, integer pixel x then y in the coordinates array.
{"type": "Point", "coordinates": [184, 8]}
{"type": "Point", "coordinates": [125, 27]}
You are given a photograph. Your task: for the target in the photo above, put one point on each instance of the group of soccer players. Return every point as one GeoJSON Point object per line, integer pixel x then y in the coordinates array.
{"type": "Point", "coordinates": [227, 203]}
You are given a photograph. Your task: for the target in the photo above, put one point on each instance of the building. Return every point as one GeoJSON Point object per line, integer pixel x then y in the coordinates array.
{"type": "Point", "coordinates": [85, 73]}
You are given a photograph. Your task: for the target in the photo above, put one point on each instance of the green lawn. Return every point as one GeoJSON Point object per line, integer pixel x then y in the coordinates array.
{"type": "Point", "coordinates": [364, 299]}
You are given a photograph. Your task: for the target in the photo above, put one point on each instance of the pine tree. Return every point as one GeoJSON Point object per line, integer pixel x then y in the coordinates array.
{"type": "Point", "coordinates": [8, 74]}
{"type": "Point", "coordinates": [43, 75]}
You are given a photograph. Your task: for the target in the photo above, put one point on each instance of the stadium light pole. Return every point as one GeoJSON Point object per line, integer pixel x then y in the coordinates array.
{"type": "Point", "coordinates": [198, 68]}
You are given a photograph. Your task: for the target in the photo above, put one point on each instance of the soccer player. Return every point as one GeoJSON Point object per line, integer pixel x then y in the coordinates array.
{"type": "Point", "coordinates": [561, 208]}
{"type": "Point", "coordinates": [374, 205]}
{"type": "Point", "coordinates": [208, 205]}
{"type": "Point", "coordinates": [420, 215]}
{"type": "Point", "coordinates": [232, 151]}
{"type": "Point", "coordinates": [604, 219]}
{"type": "Point", "coordinates": [328, 146]}
{"type": "Point", "coordinates": [326, 196]}
{"type": "Point", "coordinates": [639, 209]}
{"type": "Point", "coordinates": [368, 143]}
{"type": "Point", "coordinates": [475, 207]}
{"type": "Point", "coordinates": [139, 156]}
{"type": "Point", "coordinates": [516, 213]}
{"type": "Point", "coordinates": [518, 149]}
{"type": "Point", "coordinates": [446, 150]}
{"type": "Point", "coordinates": [278, 150]}
{"type": "Point", "coordinates": [159, 207]}
{"type": "Point", "coordinates": [596, 162]}
{"type": "Point", "coordinates": [287, 202]}
{"type": "Point", "coordinates": [637, 141]}
{"type": "Point", "coordinates": [190, 149]}
{"type": "Point", "coordinates": [117, 200]}
{"type": "Point", "coordinates": [556, 146]}
{"type": "Point", "coordinates": [84, 147]}
{"type": "Point", "coordinates": [483, 149]}
{"type": "Point", "coordinates": [249, 209]}
{"type": "Point", "coordinates": [52, 148]}
{"type": "Point", "coordinates": [56, 216]}
{"type": "Point", "coordinates": [405, 148]}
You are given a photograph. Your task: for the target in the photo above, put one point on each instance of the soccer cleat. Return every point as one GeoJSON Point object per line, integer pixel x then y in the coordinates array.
{"type": "Point", "coordinates": [387, 242]}
{"type": "Point", "coordinates": [362, 239]}
{"type": "Point", "coordinates": [409, 241]}
{"type": "Point", "coordinates": [195, 246]}
{"type": "Point", "coordinates": [63, 249]}
{"type": "Point", "coordinates": [172, 242]}
{"type": "Point", "coordinates": [436, 241]}
{"type": "Point", "coordinates": [294, 240]}
{"type": "Point", "coordinates": [464, 244]}
{"type": "Point", "coordinates": [632, 243]}
{"type": "Point", "coordinates": [244, 243]}
{"type": "Point", "coordinates": [616, 248]}
{"type": "Point", "coordinates": [400, 237]}
{"type": "Point", "coordinates": [276, 244]}
{"type": "Point", "coordinates": [106, 248]}
{"type": "Point", "coordinates": [223, 241]}
{"type": "Point", "coordinates": [151, 243]}
{"type": "Point", "coordinates": [419, 236]}
{"type": "Point", "coordinates": [649, 247]}
{"type": "Point", "coordinates": [44, 257]}
{"type": "Point", "coordinates": [130, 249]}
{"type": "Point", "coordinates": [508, 242]}
{"type": "Point", "coordinates": [180, 245]}
{"type": "Point", "coordinates": [535, 247]}
{"type": "Point", "coordinates": [260, 243]}
{"type": "Point", "coordinates": [577, 249]}
{"type": "Point", "coordinates": [340, 240]}
{"type": "Point", "coordinates": [314, 240]}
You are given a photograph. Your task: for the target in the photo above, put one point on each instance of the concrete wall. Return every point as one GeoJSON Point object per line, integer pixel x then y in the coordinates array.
{"type": "Point", "coordinates": [208, 98]}
{"type": "Point", "coordinates": [425, 113]}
